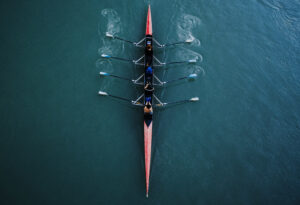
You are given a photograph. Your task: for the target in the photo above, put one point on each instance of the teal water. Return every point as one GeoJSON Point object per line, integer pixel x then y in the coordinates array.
{"type": "Point", "coordinates": [61, 143]}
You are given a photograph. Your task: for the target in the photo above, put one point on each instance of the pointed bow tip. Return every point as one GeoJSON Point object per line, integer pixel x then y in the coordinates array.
{"type": "Point", "coordinates": [149, 22]}
{"type": "Point", "coordinates": [147, 195]}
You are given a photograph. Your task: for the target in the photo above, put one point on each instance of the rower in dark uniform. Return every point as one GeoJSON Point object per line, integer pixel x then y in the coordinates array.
{"type": "Point", "coordinates": [148, 111]}
{"type": "Point", "coordinates": [148, 81]}
{"type": "Point", "coordinates": [148, 52]}
{"type": "Point", "coordinates": [148, 107]}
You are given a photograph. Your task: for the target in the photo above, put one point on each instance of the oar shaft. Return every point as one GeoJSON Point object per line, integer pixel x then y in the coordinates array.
{"type": "Point", "coordinates": [176, 102]}
{"type": "Point", "coordinates": [175, 62]}
{"type": "Point", "coordinates": [120, 98]}
{"type": "Point", "coordinates": [170, 81]}
{"type": "Point", "coordinates": [194, 99]}
{"type": "Point", "coordinates": [176, 43]}
{"type": "Point", "coordinates": [120, 77]}
{"type": "Point", "coordinates": [122, 59]}
{"type": "Point", "coordinates": [122, 39]}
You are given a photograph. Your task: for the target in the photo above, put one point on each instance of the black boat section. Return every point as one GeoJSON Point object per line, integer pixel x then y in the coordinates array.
{"type": "Point", "coordinates": [148, 78]}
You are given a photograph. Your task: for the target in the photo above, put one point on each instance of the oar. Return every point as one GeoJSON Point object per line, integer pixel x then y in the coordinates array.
{"type": "Point", "coordinates": [177, 62]}
{"type": "Point", "coordinates": [191, 76]}
{"type": "Point", "coordinates": [116, 37]}
{"type": "Point", "coordinates": [194, 99]}
{"type": "Point", "coordinates": [121, 98]}
{"type": "Point", "coordinates": [177, 43]}
{"type": "Point", "coordinates": [114, 76]}
{"type": "Point", "coordinates": [118, 58]}
{"type": "Point", "coordinates": [114, 96]}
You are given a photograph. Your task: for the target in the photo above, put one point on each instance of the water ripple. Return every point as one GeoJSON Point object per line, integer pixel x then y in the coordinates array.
{"type": "Point", "coordinates": [113, 25]}
{"type": "Point", "coordinates": [185, 25]}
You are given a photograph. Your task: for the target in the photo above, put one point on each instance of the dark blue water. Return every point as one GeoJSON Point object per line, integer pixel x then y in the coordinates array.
{"type": "Point", "coordinates": [61, 143]}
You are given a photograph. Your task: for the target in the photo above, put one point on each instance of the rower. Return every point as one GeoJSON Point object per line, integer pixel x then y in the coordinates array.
{"type": "Point", "coordinates": [149, 71]}
{"type": "Point", "coordinates": [149, 48]}
{"type": "Point", "coordinates": [148, 74]}
{"type": "Point", "coordinates": [148, 52]}
{"type": "Point", "coordinates": [149, 87]}
{"type": "Point", "coordinates": [148, 108]}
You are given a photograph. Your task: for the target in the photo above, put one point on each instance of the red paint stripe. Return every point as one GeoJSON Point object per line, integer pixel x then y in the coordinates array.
{"type": "Point", "coordinates": [149, 23]}
{"type": "Point", "coordinates": [147, 142]}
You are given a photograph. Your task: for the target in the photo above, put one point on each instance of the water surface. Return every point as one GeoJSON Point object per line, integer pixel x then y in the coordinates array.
{"type": "Point", "coordinates": [61, 143]}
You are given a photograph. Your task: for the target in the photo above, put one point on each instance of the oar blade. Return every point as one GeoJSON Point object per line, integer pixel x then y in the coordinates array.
{"type": "Point", "coordinates": [102, 93]}
{"type": "Point", "coordinates": [194, 99]}
{"type": "Point", "coordinates": [192, 61]}
{"type": "Point", "coordinates": [109, 35]}
{"type": "Point", "coordinates": [104, 73]}
{"type": "Point", "coordinates": [105, 56]}
{"type": "Point", "coordinates": [192, 76]}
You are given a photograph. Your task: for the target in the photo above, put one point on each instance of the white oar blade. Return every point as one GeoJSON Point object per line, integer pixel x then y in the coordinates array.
{"type": "Point", "coordinates": [194, 99]}
{"type": "Point", "coordinates": [189, 40]}
{"type": "Point", "coordinates": [192, 61]}
{"type": "Point", "coordinates": [102, 93]}
{"type": "Point", "coordinates": [193, 76]}
{"type": "Point", "coordinates": [109, 35]}
{"type": "Point", "coordinates": [104, 73]}
{"type": "Point", "coordinates": [105, 56]}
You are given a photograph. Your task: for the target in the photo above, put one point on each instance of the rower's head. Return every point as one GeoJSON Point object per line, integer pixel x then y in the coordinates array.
{"type": "Point", "coordinates": [149, 70]}
{"type": "Point", "coordinates": [149, 46]}
{"type": "Point", "coordinates": [148, 105]}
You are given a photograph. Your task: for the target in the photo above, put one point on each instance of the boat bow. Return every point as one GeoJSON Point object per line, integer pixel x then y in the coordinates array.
{"type": "Point", "coordinates": [149, 22]}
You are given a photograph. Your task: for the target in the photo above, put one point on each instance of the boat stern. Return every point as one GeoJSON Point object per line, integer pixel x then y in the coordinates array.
{"type": "Point", "coordinates": [147, 143]}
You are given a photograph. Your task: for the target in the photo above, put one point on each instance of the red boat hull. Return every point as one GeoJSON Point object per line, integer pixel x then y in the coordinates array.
{"type": "Point", "coordinates": [147, 120]}
{"type": "Point", "coordinates": [147, 143]}
{"type": "Point", "coordinates": [149, 23]}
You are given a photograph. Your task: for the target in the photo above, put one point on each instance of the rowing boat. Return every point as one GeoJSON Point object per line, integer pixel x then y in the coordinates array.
{"type": "Point", "coordinates": [148, 79]}
{"type": "Point", "coordinates": [148, 119]}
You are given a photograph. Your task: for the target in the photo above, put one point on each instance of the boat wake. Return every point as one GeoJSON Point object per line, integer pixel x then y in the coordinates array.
{"type": "Point", "coordinates": [198, 70]}
{"type": "Point", "coordinates": [271, 4]}
{"type": "Point", "coordinates": [113, 25]}
{"type": "Point", "coordinates": [186, 53]}
{"type": "Point", "coordinates": [185, 25]}
{"type": "Point", "coordinates": [109, 22]}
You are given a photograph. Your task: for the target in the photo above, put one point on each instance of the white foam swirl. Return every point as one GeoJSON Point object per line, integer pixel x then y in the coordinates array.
{"type": "Point", "coordinates": [113, 21]}
{"type": "Point", "coordinates": [185, 25]}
